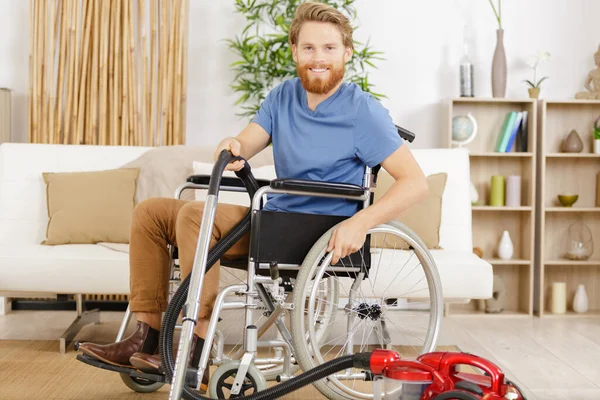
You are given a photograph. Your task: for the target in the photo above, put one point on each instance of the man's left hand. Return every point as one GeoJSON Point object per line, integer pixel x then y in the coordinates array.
{"type": "Point", "coordinates": [347, 238]}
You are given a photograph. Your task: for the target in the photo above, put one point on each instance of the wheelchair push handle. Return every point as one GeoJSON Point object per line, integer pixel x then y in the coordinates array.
{"type": "Point", "coordinates": [405, 134]}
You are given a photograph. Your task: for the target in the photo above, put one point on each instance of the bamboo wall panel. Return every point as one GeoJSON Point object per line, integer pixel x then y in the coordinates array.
{"type": "Point", "coordinates": [108, 72]}
{"type": "Point", "coordinates": [5, 117]}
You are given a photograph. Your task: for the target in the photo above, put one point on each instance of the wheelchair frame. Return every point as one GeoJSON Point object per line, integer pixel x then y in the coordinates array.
{"type": "Point", "coordinates": [253, 288]}
{"type": "Point", "coordinates": [251, 342]}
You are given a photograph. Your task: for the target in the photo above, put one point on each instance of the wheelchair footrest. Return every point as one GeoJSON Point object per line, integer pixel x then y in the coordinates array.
{"type": "Point", "coordinates": [190, 373]}
{"type": "Point", "coordinates": [123, 370]}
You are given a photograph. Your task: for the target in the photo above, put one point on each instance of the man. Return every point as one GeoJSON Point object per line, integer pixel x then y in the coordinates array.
{"type": "Point", "coordinates": [322, 129]}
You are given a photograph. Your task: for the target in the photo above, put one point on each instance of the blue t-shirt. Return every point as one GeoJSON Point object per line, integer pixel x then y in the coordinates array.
{"type": "Point", "coordinates": [332, 143]}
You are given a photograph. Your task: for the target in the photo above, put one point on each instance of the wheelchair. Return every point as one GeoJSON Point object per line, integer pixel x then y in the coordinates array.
{"type": "Point", "coordinates": [298, 310]}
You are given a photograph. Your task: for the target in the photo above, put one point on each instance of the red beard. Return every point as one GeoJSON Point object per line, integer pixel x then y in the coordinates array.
{"type": "Point", "coordinates": [317, 85]}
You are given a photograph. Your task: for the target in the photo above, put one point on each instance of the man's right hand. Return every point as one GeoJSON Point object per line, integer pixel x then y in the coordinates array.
{"type": "Point", "coordinates": [234, 146]}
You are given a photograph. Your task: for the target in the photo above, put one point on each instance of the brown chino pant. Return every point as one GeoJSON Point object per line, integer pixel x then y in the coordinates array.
{"type": "Point", "coordinates": [158, 222]}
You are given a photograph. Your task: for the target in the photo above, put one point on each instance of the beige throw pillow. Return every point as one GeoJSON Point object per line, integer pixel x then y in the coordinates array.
{"type": "Point", "coordinates": [164, 168]}
{"type": "Point", "coordinates": [424, 218]}
{"type": "Point", "coordinates": [90, 207]}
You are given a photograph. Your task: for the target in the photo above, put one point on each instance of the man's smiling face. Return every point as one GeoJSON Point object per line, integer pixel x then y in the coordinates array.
{"type": "Point", "coordinates": [320, 56]}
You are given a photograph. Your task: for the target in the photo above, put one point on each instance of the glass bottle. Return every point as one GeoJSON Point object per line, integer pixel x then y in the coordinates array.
{"type": "Point", "coordinates": [466, 73]}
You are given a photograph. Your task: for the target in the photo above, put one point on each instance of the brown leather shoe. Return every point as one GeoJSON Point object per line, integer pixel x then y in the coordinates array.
{"type": "Point", "coordinates": [151, 364]}
{"type": "Point", "coordinates": [143, 339]}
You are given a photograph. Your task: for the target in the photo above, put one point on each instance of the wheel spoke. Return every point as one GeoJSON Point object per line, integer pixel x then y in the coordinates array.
{"type": "Point", "coordinates": [367, 309]}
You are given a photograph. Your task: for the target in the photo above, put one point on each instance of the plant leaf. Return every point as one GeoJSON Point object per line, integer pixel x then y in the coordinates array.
{"type": "Point", "coordinates": [541, 80]}
{"type": "Point", "coordinates": [265, 57]}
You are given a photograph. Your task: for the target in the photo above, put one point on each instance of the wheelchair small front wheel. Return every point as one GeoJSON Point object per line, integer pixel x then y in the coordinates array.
{"type": "Point", "coordinates": [221, 381]}
{"type": "Point", "coordinates": [390, 297]}
{"type": "Point", "coordinates": [141, 385]}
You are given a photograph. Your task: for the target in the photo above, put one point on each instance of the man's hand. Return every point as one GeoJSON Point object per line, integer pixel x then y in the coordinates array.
{"type": "Point", "coordinates": [347, 238]}
{"type": "Point", "coordinates": [234, 146]}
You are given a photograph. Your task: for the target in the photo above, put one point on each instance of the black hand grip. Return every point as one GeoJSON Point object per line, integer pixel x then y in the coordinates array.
{"type": "Point", "coordinates": [225, 157]}
{"type": "Point", "coordinates": [405, 134]}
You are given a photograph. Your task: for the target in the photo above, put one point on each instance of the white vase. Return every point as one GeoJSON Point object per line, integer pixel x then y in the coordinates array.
{"type": "Point", "coordinates": [474, 194]}
{"type": "Point", "coordinates": [597, 146]}
{"type": "Point", "coordinates": [580, 302]}
{"type": "Point", "coordinates": [505, 247]}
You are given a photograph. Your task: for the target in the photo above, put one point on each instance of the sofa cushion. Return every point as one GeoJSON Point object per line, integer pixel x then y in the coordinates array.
{"type": "Point", "coordinates": [72, 268]}
{"type": "Point", "coordinates": [463, 276]}
{"type": "Point", "coordinates": [90, 207]}
{"type": "Point", "coordinates": [424, 217]}
{"type": "Point", "coordinates": [107, 263]}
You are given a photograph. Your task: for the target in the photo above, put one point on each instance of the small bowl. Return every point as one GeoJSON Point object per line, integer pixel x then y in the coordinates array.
{"type": "Point", "coordinates": [567, 200]}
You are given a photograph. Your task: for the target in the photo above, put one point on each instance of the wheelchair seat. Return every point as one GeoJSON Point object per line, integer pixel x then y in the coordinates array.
{"type": "Point", "coordinates": [274, 241]}
{"type": "Point", "coordinates": [276, 238]}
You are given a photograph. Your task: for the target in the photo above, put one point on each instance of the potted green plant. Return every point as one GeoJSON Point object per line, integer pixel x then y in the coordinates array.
{"type": "Point", "coordinates": [534, 85]}
{"type": "Point", "coordinates": [265, 57]}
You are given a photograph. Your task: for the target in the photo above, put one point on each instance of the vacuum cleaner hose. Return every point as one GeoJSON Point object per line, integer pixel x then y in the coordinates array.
{"type": "Point", "coordinates": [175, 306]}
{"type": "Point", "coordinates": [306, 378]}
{"type": "Point", "coordinates": [167, 329]}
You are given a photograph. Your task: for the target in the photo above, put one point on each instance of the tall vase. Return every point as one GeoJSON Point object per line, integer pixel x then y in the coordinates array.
{"type": "Point", "coordinates": [499, 66]}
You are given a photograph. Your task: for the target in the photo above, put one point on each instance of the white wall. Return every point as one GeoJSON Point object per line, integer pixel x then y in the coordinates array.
{"type": "Point", "coordinates": [14, 53]}
{"type": "Point", "coordinates": [422, 41]}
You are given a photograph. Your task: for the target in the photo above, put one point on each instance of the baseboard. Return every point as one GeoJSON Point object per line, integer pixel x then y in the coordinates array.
{"type": "Point", "coordinates": [68, 305]}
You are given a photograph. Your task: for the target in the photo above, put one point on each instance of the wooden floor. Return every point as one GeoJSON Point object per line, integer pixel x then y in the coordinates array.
{"type": "Point", "coordinates": [549, 359]}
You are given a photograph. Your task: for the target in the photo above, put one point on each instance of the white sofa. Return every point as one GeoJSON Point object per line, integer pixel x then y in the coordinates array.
{"type": "Point", "coordinates": [28, 268]}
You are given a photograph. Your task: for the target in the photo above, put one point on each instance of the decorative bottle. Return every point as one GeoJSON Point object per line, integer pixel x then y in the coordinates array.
{"type": "Point", "coordinates": [466, 73]}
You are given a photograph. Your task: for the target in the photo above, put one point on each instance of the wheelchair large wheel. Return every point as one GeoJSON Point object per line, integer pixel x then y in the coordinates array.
{"type": "Point", "coordinates": [395, 304]}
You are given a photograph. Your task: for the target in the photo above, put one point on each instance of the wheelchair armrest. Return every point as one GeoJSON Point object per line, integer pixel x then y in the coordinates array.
{"type": "Point", "coordinates": [300, 185]}
{"type": "Point", "coordinates": [225, 181]}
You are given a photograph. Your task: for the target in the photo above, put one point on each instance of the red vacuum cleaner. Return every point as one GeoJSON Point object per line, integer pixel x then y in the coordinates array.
{"type": "Point", "coordinates": [436, 376]}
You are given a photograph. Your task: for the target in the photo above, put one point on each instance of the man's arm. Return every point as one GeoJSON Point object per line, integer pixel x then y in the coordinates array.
{"type": "Point", "coordinates": [252, 140]}
{"type": "Point", "coordinates": [410, 188]}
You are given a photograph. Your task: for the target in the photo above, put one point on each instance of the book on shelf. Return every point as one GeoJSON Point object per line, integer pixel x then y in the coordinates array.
{"type": "Point", "coordinates": [513, 133]}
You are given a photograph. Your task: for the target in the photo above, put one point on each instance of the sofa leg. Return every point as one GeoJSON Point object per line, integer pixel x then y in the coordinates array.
{"type": "Point", "coordinates": [83, 318]}
{"type": "Point", "coordinates": [5, 305]}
